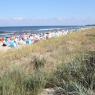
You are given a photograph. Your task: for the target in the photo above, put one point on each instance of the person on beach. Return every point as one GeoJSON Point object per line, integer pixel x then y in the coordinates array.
{"type": "Point", "coordinates": [28, 38]}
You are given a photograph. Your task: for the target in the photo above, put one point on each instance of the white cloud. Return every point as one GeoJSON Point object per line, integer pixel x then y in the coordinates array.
{"type": "Point", "coordinates": [16, 21]}
{"type": "Point", "coordinates": [18, 18]}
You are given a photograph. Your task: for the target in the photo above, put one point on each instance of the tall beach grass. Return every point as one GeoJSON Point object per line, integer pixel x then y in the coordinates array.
{"type": "Point", "coordinates": [66, 64]}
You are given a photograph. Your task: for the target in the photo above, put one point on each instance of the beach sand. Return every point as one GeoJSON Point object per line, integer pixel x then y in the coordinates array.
{"type": "Point", "coordinates": [4, 49]}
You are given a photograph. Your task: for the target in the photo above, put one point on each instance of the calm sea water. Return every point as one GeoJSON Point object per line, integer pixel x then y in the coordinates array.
{"type": "Point", "coordinates": [5, 31]}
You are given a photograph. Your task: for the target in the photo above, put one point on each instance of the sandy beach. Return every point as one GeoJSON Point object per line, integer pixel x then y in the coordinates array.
{"type": "Point", "coordinates": [17, 41]}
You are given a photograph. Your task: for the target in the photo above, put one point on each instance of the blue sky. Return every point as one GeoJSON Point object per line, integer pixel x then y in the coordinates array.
{"type": "Point", "coordinates": [47, 12]}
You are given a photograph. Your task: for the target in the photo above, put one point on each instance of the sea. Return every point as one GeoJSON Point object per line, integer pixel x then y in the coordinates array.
{"type": "Point", "coordinates": [11, 30]}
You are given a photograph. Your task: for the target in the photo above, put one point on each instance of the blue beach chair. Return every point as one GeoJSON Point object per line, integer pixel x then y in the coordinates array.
{"type": "Point", "coordinates": [29, 42]}
{"type": "Point", "coordinates": [13, 44]}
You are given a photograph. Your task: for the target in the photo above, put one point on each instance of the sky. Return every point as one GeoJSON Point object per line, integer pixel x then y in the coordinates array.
{"type": "Point", "coordinates": [46, 12]}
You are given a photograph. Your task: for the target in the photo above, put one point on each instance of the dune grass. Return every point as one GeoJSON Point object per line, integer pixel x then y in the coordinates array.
{"type": "Point", "coordinates": [58, 62]}
{"type": "Point", "coordinates": [76, 77]}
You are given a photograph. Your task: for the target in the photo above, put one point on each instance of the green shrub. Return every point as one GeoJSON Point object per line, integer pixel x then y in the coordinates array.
{"type": "Point", "coordinates": [77, 76]}
{"type": "Point", "coordinates": [16, 82]}
{"type": "Point", "coordinates": [38, 62]}
{"type": "Point", "coordinates": [11, 82]}
{"type": "Point", "coordinates": [35, 82]}
{"type": "Point", "coordinates": [70, 89]}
